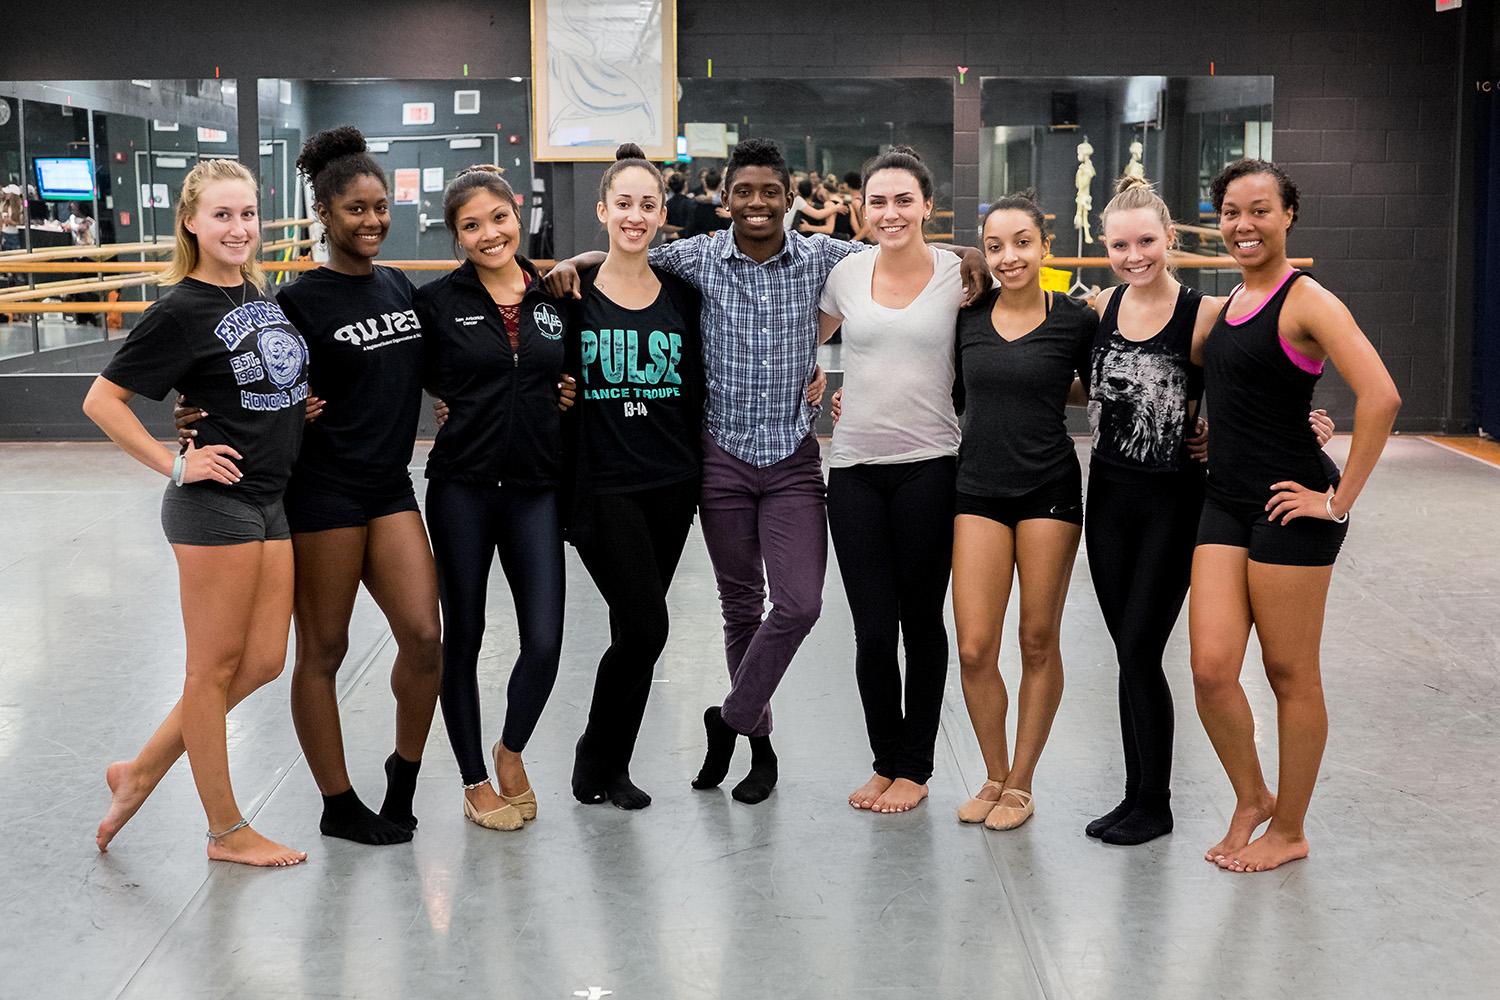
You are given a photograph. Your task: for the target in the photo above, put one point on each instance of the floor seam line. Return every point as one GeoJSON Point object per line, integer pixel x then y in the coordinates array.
{"type": "Point", "coordinates": [1459, 451]}
{"type": "Point", "coordinates": [265, 798]}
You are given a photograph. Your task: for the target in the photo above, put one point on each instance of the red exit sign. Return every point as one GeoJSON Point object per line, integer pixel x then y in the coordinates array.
{"type": "Point", "coordinates": [418, 114]}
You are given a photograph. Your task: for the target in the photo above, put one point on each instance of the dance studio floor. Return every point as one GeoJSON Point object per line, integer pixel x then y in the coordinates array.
{"type": "Point", "coordinates": [701, 897]}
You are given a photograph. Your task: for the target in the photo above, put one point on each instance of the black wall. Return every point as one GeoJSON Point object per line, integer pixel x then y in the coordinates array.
{"type": "Point", "coordinates": [1366, 105]}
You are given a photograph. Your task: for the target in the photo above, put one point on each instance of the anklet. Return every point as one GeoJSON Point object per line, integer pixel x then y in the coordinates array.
{"type": "Point", "coordinates": [238, 826]}
{"type": "Point", "coordinates": [470, 788]}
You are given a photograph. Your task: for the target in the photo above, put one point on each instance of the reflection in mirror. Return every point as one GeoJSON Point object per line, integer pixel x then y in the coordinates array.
{"type": "Point", "coordinates": [421, 132]}
{"type": "Point", "coordinates": [90, 170]}
{"type": "Point", "coordinates": [1176, 132]}
{"type": "Point", "coordinates": [830, 127]}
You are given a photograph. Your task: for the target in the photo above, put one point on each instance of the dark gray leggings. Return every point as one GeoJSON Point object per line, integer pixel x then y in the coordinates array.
{"type": "Point", "coordinates": [469, 523]}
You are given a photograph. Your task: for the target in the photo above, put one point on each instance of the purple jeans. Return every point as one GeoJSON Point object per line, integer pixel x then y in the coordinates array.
{"type": "Point", "coordinates": [763, 525]}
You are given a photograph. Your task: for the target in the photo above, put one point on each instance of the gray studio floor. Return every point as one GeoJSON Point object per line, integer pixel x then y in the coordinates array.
{"type": "Point", "coordinates": [699, 896]}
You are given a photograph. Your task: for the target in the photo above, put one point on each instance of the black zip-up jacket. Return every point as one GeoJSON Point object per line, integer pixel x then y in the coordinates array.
{"type": "Point", "coordinates": [503, 423]}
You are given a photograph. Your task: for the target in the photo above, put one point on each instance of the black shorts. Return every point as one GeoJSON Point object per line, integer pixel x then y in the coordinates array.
{"type": "Point", "coordinates": [314, 508]}
{"type": "Point", "coordinates": [196, 514]}
{"type": "Point", "coordinates": [1307, 541]}
{"type": "Point", "coordinates": [1059, 500]}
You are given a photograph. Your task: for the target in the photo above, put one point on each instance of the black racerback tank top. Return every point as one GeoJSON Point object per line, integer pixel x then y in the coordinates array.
{"type": "Point", "coordinates": [1258, 401]}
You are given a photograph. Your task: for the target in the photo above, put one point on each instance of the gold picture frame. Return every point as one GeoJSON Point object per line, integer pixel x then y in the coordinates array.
{"type": "Point", "coordinates": [602, 73]}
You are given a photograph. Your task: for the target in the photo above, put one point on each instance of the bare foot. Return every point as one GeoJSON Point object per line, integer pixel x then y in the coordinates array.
{"type": "Point", "coordinates": [246, 847]}
{"type": "Point", "coordinates": [1242, 827]}
{"type": "Point", "coordinates": [126, 794]}
{"type": "Point", "coordinates": [1269, 850]}
{"type": "Point", "coordinates": [865, 795]}
{"type": "Point", "coordinates": [904, 794]}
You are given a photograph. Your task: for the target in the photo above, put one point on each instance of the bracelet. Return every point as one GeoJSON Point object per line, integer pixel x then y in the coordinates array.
{"type": "Point", "coordinates": [1328, 506]}
{"type": "Point", "coordinates": [179, 469]}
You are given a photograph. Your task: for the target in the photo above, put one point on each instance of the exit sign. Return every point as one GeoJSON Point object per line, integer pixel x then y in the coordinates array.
{"type": "Point", "coordinates": [1449, 4]}
{"type": "Point", "coordinates": [418, 114]}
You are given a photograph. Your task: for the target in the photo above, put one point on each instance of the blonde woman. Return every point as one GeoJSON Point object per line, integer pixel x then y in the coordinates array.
{"type": "Point", "coordinates": [219, 339]}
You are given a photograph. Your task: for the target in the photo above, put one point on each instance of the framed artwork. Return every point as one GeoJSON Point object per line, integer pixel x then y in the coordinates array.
{"type": "Point", "coordinates": [603, 72]}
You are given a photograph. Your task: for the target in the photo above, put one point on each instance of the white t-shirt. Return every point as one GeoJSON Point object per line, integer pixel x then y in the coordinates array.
{"type": "Point", "coordinates": [798, 204]}
{"type": "Point", "coordinates": [898, 365]}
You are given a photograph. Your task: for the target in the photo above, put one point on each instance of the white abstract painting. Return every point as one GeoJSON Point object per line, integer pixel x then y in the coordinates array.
{"type": "Point", "coordinates": [603, 72]}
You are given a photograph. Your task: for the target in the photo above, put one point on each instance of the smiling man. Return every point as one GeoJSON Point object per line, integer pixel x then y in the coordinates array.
{"type": "Point", "coordinates": [763, 505]}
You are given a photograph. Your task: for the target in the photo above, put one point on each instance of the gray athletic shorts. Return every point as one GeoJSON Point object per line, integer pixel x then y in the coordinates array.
{"type": "Point", "coordinates": [202, 515]}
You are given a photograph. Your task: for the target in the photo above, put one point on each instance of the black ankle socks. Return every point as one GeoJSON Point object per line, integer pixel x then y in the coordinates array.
{"type": "Point", "coordinates": [346, 817]}
{"type": "Point", "coordinates": [721, 740]}
{"type": "Point", "coordinates": [624, 793]}
{"type": "Point", "coordinates": [400, 786]}
{"type": "Point", "coordinates": [756, 786]}
{"type": "Point", "coordinates": [1151, 818]}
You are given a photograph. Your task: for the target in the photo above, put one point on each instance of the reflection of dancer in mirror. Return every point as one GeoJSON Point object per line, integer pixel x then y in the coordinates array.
{"type": "Point", "coordinates": [1276, 509]}
{"type": "Point", "coordinates": [1082, 181]}
{"type": "Point", "coordinates": [1135, 168]}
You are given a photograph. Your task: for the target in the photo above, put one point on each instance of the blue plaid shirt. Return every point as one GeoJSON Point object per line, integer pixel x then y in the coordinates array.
{"type": "Point", "coordinates": [760, 336]}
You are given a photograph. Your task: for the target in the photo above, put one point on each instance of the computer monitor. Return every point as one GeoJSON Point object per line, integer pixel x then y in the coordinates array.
{"type": "Point", "coordinates": [65, 178]}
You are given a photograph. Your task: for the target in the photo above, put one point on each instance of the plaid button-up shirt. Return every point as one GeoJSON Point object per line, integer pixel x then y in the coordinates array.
{"type": "Point", "coordinates": [760, 336]}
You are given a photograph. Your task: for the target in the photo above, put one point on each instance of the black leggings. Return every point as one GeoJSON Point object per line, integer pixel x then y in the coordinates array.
{"type": "Point", "coordinates": [633, 545]}
{"type": "Point", "coordinates": [1140, 531]}
{"type": "Point", "coordinates": [892, 529]}
{"type": "Point", "coordinates": [468, 522]}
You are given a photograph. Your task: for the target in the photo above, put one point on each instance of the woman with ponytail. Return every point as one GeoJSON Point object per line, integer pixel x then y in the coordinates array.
{"type": "Point", "coordinates": [351, 505]}
{"type": "Point", "coordinates": [493, 345]}
{"type": "Point", "coordinates": [220, 339]}
{"type": "Point", "coordinates": [636, 459]}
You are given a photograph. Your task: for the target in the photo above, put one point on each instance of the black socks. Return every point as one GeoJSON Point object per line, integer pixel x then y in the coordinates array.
{"type": "Point", "coordinates": [400, 786]}
{"type": "Point", "coordinates": [1151, 818]}
{"type": "Point", "coordinates": [757, 785]}
{"type": "Point", "coordinates": [1109, 819]}
{"type": "Point", "coordinates": [721, 740]}
{"type": "Point", "coordinates": [346, 817]}
{"type": "Point", "coordinates": [591, 788]}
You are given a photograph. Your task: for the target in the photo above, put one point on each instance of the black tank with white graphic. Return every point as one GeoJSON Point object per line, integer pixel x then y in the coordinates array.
{"type": "Point", "coordinates": [1140, 391]}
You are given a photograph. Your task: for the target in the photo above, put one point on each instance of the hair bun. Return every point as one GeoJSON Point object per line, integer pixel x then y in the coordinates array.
{"type": "Point", "coordinates": [329, 145]}
{"type": "Point", "coordinates": [906, 150]}
{"type": "Point", "coordinates": [1026, 194]}
{"type": "Point", "coordinates": [482, 168]}
{"type": "Point", "coordinates": [1130, 182]}
{"type": "Point", "coordinates": [629, 151]}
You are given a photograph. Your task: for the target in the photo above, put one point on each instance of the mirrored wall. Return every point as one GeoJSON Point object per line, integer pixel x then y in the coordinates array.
{"type": "Point", "coordinates": [1177, 132]}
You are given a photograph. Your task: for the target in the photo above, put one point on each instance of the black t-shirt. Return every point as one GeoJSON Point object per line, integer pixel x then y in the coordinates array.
{"type": "Point", "coordinates": [640, 377]}
{"type": "Point", "coordinates": [679, 210]}
{"type": "Point", "coordinates": [1140, 391]}
{"type": "Point", "coordinates": [704, 219]}
{"type": "Point", "coordinates": [1015, 435]}
{"type": "Point", "coordinates": [367, 343]}
{"type": "Point", "coordinates": [233, 353]}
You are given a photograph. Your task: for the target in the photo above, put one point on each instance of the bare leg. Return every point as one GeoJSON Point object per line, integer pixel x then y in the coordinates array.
{"type": "Point", "coordinates": [329, 564]}
{"type": "Point", "coordinates": [1219, 621]}
{"type": "Point", "coordinates": [983, 564]}
{"type": "Point", "coordinates": [1045, 549]}
{"type": "Point", "coordinates": [400, 576]}
{"type": "Point", "coordinates": [1288, 602]}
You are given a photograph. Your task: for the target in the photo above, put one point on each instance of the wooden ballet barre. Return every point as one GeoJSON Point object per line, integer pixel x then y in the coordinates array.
{"type": "Point", "coordinates": [286, 223]}
{"type": "Point", "coordinates": [1178, 260]}
{"type": "Point", "coordinates": [1205, 232]}
{"type": "Point", "coordinates": [74, 307]}
{"type": "Point", "coordinates": [285, 244]}
{"type": "Point", "coordinates": [80, 287]}
{"type": "Point", "coordinates": [69, 253]}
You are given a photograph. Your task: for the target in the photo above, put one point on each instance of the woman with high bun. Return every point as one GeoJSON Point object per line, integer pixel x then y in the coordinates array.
{"type": "Point", "coordinates": [350, 503]}
{"type": "Point", "coordinates": [635, 459]}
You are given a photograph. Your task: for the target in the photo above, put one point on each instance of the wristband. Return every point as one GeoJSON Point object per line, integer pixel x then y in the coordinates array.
{"type": "Point", "coordinates": [1328, 506]}
{"type": "Point", "coordinates": [179, 468]}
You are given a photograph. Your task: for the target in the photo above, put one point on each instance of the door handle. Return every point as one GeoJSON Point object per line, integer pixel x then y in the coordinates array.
{"type": "Point", "coordinates": [425, 223]}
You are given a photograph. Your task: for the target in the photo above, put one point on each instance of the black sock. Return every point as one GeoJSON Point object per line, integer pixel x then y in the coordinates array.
{"type": "Point", "coordinates": [721, 740]}
{"type": "Point", "coordinates": [624, 793]}
{"type": "Point", "coordinates": [756, 786]}
{"type": "Point", "coordinates": [345, 816]}
{"type": "Point", "coordinates": [589, 786]}
{"type": "Point", "coordinates": [1151, 818]}
{"type": "Point", "coordinates": [1097, 827]}
{"type": "Point", "coordinates": [400, 786]}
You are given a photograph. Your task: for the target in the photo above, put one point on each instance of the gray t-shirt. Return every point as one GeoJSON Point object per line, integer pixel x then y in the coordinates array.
{"type": "Point", "coordinates": [898, 365]}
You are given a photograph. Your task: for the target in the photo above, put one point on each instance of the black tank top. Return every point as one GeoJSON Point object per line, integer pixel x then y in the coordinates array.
{"type": "Point", "coordinates": [843, 224]}
{"type": "Point", "coordinates": [1140, 390]}
{"type": "Point", "coordinates": [1258, 401]}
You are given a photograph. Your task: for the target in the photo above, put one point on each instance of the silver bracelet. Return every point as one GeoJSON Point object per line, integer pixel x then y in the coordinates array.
{"type": "Point", "coordinates": [179, 468]}
{"type": "Point", "coordinates": [1328, 506]}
